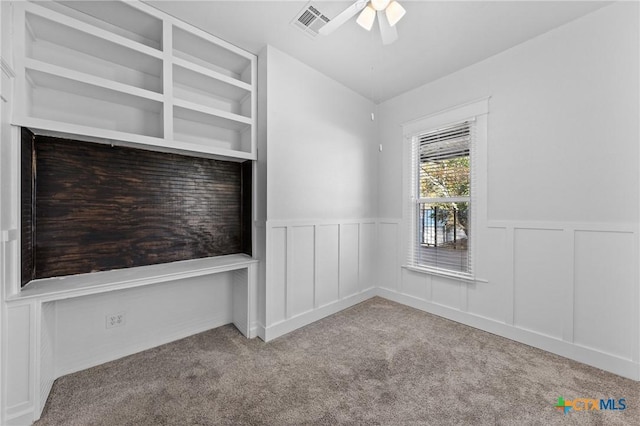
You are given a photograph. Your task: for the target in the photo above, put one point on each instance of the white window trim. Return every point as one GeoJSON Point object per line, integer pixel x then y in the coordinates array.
{"type": "Point", "coordinates": [467, 111]}
{"type": "Point", "coordinates": [474, 110]}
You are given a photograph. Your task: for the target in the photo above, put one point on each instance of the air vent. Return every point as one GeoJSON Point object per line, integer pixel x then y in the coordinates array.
{"type": "Point", "coordinates": [310, 20]}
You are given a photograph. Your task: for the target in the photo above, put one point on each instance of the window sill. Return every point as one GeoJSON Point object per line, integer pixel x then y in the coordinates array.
{"type": "Point", "coordinates": [446, 274]}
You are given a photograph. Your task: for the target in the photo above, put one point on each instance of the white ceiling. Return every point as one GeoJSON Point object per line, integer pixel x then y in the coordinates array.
{"type": "Point", "coordinates": [436, 37]}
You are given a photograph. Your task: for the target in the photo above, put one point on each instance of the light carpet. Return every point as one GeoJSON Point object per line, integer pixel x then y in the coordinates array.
{"type": "Point", "coordinates": [377, 363]}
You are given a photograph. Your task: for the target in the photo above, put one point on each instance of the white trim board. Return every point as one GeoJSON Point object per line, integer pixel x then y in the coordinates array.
{"type": "Point", "coordinates": [450, 115]}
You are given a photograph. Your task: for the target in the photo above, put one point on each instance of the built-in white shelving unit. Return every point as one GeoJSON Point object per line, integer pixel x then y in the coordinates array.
{"type": "Point", "coordinates": [125, 73]}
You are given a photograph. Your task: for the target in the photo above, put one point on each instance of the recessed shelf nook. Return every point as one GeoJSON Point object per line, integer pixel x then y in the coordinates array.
{"type": "Point", "coordinates": [223, 94]}
{"type": "Point", "coordinates": [197, 50]}
{"type": "Point", "coordinates": [90, 105]}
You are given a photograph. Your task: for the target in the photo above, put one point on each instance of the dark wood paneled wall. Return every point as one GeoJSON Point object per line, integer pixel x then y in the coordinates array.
{"type": "Point", "coordinates": [100, 207]}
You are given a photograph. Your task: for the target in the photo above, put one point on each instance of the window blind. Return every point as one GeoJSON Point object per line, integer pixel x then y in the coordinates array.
{"type": "Point", "coordinates": [444, 162]}
{"type": "Point", "coordinates": [445, 143]}
{"type": "Point", "coordinates": [441, 179]}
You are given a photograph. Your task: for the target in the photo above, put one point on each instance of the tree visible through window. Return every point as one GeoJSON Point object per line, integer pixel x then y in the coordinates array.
{"type": "Point", "coordinates": [443, 198]}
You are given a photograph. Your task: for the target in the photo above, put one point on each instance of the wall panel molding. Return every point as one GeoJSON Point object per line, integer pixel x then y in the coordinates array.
{"type": "Point", "coordinates": [562, 225]}
{"type": "Point", "coordinates": [316, 268]}
{"type": "Point", "coordinates": [575, 294]}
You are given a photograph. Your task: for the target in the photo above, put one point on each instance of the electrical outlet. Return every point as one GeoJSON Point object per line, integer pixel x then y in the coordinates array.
{"type": "Point", "coordinates": [115, 320]}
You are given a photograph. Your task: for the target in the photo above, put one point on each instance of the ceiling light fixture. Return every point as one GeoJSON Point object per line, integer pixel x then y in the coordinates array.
{"type": "Point", "coordinates": [366, 18]}
{"type": "Point", "coordinates": [389, 12]}
{"type": "Point", "coordinates": [393, 11]}
{"type": "Point", "coordinates": [379, 4]}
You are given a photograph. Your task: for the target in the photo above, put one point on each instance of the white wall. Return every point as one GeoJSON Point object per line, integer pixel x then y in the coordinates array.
{"type": "Point", "coordinates": [321, 193]}
{"type": "Point", "coordinates": [154, 315]}
{"type": "Point", "coordinates": [321, 145]}
{"type": "Point", "coordinates": [560, 245]}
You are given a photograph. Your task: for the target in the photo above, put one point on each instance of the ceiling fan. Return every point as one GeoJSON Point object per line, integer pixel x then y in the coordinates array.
{"type": "Point", "coordinates": [389, 12]}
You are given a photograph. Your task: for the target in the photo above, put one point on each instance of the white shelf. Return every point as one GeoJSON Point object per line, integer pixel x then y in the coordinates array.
{"type": "Point", "coordinates": [59, 288]}
{"type": "Point", "coordinates": [57, 98]}
{"type": "Point", "coordinates": [86, 29]}
{"type": "Point", "coordinates": [93, 134]}
{"type": "Point", "coordinates": [80, 77]}
{"type": "Point", "coordinates": [59, 44]}
{"type": "Point", "coordinates": [210, 127]}
{"type": "Point", "coordinates": [119, 18]}
{"type": "Point", "coordinates": [196, 112]}
{"type": "Point", "coordinates": [90, 134]}
{"type": "Point", "coordinates": [211, 92]}
{"type": "Point", "coordinates": [215, 152]}
{"type": "Point", "coordinates": [198, 50]}
{"type": "Point", "coordinates": [211, 73]}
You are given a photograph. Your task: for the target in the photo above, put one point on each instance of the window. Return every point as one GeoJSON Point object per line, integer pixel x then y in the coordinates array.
{"type": "Point", "coordinates": [442, 198]}
{"type": "Point", "coordinates": [445, 189]}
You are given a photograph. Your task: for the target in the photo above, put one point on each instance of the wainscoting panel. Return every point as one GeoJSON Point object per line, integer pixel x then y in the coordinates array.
{"type": "Point", "coordinates": [540, 267]}
{"type": "Point", "coordinates": [242, 300]}
{"type": "Point", "coordinates": [327, 264]}
{"type": "Point", "coordinates": [568, 288]}
{"type": "Point", "coordinates": [349, 253]}
{"type": "Point", "coordinates": [276, 275]}
{"type": "Point", "coordinates": [446, 292]}
{"type": "Point", "coordinates": [604, 282]}
{"type": "Point", "coordinates": [414, 284]}
{"type": "Point", "coordinates": [20, 396]}
{"type": "Point", "coordinates": [300, 291]}
{"type": "Point", "coordinates": [484, 298]}
{"type": "Point", "coordinates": [316, 268]}
{"type": "Point", "coordinates": [368, 253]}
{"type": "Point", "coordinates": [388, 250]}
{"type": "Point", "coordinates": [48, 323]}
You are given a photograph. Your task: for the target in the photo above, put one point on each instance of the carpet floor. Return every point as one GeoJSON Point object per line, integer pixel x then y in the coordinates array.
{"type": "Point", "coordinates": [377, 363]}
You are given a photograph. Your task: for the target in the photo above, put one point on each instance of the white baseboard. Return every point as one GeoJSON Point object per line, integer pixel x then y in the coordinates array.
{"type": "Point", "coordinates": [256, 330]}
{"type": "Point", "coordinates": [44, 394]}
{"type": "Point", "coordinates": [288, 325]}
{"type": "Point", "coordinates": [592, 357]}
{"type": "Point", "coordinates": [22, 419]}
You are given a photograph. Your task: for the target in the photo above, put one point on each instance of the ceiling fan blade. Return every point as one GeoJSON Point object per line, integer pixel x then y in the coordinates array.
{"type": "Point", "coordinates": [343, 17]}
{"type": "Point", "coordinates": [389, 34]}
